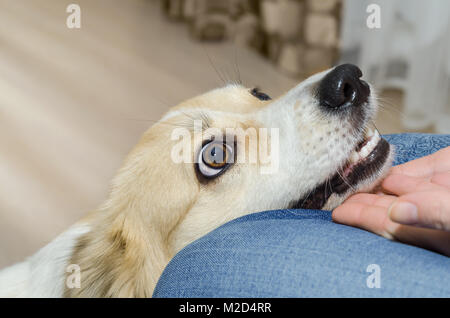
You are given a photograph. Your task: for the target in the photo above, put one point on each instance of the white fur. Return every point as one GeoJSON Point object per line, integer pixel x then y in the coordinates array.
{"type": "Point", "coordinates": [43, 274]}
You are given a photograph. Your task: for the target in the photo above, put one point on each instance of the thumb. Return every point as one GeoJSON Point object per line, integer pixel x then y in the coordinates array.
{"type": "Point", "coordinates": [429, 209]}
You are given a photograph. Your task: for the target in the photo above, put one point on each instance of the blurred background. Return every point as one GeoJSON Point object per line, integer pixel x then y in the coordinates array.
{"type": "Point", "coordinates": [74, 101]}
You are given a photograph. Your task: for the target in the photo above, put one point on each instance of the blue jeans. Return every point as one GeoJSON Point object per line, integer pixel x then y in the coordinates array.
{"type": "Point", "coordinates": [302, 253]}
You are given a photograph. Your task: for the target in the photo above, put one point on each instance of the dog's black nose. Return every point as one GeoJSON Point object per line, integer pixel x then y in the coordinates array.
{"type": "Point", "coordinates": [342, 87]}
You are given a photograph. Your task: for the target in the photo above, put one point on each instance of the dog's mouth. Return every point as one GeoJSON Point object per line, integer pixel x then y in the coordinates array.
{"type": "Point", "coordinates": [364, 162]}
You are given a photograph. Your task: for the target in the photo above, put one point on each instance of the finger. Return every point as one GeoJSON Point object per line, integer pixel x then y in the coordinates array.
{"type": "Point", "coordinates": [366, 198]}
{"type": "Point", "coordinates": [429, 209]}
{"type": "Point", "coordinates": [375, 219]}
{"type": "Point", "coordinates": [425, 166]}
{"type": "Point", "coordinates": [402, 184]}
{"type": "Point", "coordinates": [367, 217]}
{"type": "Point", "coordinates": [430, 239]}
{"type": "Point", "coordinates": [372, 199]}
{"type": "Point", "coordinates": [442, 179]}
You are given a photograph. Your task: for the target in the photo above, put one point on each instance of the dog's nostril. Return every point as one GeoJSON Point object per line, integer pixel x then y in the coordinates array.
{"type": "Point", "coordinates": [348, 92]}
{"type": "Point", "coordinates": [342, 87]}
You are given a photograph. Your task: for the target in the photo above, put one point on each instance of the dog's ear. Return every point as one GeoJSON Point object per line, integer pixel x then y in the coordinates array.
{"type": "Point", "coordinates": [119, 257]}
{"type": "Point", "coordinates": [127, 247]}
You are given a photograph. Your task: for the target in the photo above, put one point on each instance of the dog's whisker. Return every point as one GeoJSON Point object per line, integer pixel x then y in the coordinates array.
{"type": "Point", "coordinates": [199, 115]}
{"type": "Point", "coordinates": [307, 196]}
{"type": "Point", "coordinates": [214, 67]}
{"type": "Point", "coordinates": [387, 105]}
{"type": "Point", "coordinates": [330, 185]}
{"type": "Point", "coordinates": [187, 125]}
{"type": "Point", "coordinates": [345, 180]}
{"type": "Point", "coordinates": [342, 176]}
{"type": "Point", "coordinates": [375, 126]}
{"type": "Point", "coordinates": [237, 66]}
{"type": "Point", "coordinates": [229, 77]}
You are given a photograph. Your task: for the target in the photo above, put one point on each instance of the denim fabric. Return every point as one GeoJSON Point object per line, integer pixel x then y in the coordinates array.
{"type": "Point", "coordinates": [302, 253]}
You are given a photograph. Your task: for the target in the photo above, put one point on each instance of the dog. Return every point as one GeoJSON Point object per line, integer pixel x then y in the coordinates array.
{"type": "Point", "coordinates": [327, 150]}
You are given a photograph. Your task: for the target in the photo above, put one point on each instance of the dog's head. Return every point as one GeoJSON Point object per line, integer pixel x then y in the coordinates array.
{"type": "Point", "coordinates": [234, 150]}
{"type": "Point", "coordinates": [224, 154]}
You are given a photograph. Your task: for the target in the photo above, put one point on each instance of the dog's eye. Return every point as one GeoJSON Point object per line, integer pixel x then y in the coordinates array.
{"type": "Point", "coordinates": [260, 95]}
{"type": "Point", "coordinates": [214, 158]}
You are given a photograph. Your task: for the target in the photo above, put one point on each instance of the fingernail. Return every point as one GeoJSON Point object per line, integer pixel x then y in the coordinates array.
{"type": "Point", "coordinates": [403, 212]}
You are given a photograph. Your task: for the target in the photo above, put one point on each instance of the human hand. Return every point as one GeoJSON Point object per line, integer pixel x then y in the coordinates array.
{"type": "Point", "coordinates": [413, 207]}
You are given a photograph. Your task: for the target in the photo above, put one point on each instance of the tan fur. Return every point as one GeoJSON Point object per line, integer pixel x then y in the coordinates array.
{"type": "Point", "coordinates": [156, 207]}
{"type": "Point", "coordinates": [129, 244]}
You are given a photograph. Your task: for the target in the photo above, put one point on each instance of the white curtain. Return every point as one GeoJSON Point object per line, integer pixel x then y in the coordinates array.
{"type": "Point", "coordinates": [410, 51]}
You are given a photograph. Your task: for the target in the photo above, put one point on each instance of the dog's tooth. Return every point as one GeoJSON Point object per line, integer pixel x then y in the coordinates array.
{"type": "Point", "coordinates": [371, 145]}
{"type": "Point", "coordinates": [373, 137]}
{"type": "Point", "coordinates": [364, 152]}
{"type": "Point", "coordinates": [355, 157]}
{"type": "Point", "coordinates": [376, 137]}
